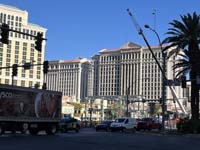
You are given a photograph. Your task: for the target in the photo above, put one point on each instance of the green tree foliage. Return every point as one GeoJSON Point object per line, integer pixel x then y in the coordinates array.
{"type": "Point", "coordinates": [77, 108]}
{"type": "Point", "coordinates": [184, 39]}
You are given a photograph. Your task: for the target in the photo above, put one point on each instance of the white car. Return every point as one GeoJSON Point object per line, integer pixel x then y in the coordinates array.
{"type": "Point", "coordinates": [124, 124]}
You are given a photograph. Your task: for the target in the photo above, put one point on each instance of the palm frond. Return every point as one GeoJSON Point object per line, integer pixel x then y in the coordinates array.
{"type": "Point", "coordinates": [180, 72]}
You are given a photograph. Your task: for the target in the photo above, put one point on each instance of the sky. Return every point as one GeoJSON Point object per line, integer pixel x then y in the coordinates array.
{"type": "Point", "coordinates": [81, 28]}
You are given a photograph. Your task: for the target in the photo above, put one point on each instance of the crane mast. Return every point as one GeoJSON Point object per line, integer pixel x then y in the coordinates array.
{"type": "Point", "coordinates": [140, 32]}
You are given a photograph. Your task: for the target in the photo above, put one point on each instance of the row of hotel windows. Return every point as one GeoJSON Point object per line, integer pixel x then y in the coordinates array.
{"type": "Point", "coordinates": [120, 57]}
{"type": "Point", "coordinates": [9, 72]}
{"type": "Point", "coordinates": [17, 45]}
{"type": "Point", "coordinates": [69, 66]}
{"type": "Point", "coordinates": [11, 17]}
{"type": "Point", "coordinates": [148, 95]}
{"type": "Point", "coordinates": [151, 67]}
{"type": "Point", "coordinates": [27, 31]}
{"type": "Point", "coordinates": [8, 56]}
{"type": "Point", "coordinates": [155, 85]}
{"type": "Point", "coordinates": [22, 83]}
{"type": "Point", "coordinates": [129, 56]}
{"type": "Point", "coordinates": [106, 93]}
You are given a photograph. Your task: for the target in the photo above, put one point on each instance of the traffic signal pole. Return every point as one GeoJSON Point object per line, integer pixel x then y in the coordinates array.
{"type": "Point", "coordinates": [5, 36]}
{"type": "Point", "coordinates": [2, 27]}
{"type": "Point", "coordinates": [15, 67]}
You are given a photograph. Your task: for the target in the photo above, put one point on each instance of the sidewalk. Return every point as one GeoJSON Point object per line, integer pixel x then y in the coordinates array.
{"type": "Point", "coordinates": [169, 132]}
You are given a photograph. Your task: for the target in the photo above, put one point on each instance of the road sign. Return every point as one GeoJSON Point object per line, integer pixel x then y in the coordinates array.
{"type": "Point", "coordinates": [175, 82]}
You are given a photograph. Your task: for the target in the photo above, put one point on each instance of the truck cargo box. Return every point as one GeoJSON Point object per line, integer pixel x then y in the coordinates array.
{"type": "Point", "coordinates": [32, 109]}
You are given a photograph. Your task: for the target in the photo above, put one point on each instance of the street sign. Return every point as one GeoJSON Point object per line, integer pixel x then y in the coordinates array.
{"type": "Point", "coordinates": [175, 82]}
{"type": "Point", "coordinates": [27, 65]}
{"type": "Point", "coordinates": [198, 79]}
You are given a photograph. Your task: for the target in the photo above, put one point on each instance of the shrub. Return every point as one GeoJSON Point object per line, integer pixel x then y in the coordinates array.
{"type": "Point", "coordinates": [188, 126]}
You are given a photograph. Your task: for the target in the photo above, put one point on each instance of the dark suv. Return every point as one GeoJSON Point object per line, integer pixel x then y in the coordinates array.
{"type": "Point", "coordinates": [104, 125]}
{"type": "Point", "coordinates": [67, 124]}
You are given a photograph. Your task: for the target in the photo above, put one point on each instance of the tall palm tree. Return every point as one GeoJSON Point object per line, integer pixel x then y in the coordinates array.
{"type": "Point", "coordinates": [184, 36]}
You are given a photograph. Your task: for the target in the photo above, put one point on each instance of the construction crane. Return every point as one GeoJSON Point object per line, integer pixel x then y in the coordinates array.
{"type": "Point", "coordinates": [140, 32]}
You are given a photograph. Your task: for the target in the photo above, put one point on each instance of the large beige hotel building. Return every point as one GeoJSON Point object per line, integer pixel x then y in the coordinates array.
{"type": "Point", "coordinates": [21, 48]}
{"type": "Point", "coordinates": [131, 66]}
{"type": "Point", "coordinates": [72, 77]}
{"type": "Point", "coordinates": [109, 75]}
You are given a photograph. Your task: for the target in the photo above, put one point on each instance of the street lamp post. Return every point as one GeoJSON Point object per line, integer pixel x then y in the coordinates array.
{"type": "Point", "coordinates": [164, 106]}
{"type": "Point", "coordinates": [90, 110]}
{"type": "Point", "coordinates": [127, 100]}
{"type": "Point", "coordinates": [86, 110]}
{"type": "Point", "coordinates": [128, 93]}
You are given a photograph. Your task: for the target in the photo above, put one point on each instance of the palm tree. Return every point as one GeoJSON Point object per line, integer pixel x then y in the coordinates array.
{"type": "Point", "coordinates": [182, 65]}
{"type": "Point", "coordinates": [185, 37]}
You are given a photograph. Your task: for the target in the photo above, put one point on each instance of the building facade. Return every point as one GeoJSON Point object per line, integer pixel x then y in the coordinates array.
{"type": "Point", "coordinates": [71, 77]}
{"type": "Point", "coordinates": [21, 49]}
{"type": "Point", "coordinates": [131, 70]}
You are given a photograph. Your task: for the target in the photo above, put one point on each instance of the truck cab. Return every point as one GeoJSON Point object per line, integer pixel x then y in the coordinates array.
{"type": "Point", "coordinates": [69, 123]}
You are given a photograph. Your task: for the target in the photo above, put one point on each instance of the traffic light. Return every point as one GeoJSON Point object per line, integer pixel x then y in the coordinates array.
{"type": "Point", "coordinates": [143, 100]}
{"type": "Point", "coordinates": [5, 33]}
{"type": "Point", "coordinates": [183, 81]}
{"type": "Point", "coordinates": [45, 66]}
{"type": "Point", "coordinates": [44, 86]}
{"type": "Point", "coordinates": [38, 42]}
{"type": "Point", "coordinates": [14, 69]}
{"type": "Point", "coordinates": [161, 100]}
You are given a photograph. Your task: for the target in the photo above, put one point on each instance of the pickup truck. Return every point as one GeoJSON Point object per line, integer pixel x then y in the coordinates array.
{"type": "Point", "coordinates": [148, 124]}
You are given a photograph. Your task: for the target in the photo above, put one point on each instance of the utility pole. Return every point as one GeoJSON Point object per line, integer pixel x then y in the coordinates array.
{"type": "Point", "coordinates": [127, 100]}
{"type": "Point", "coordinates": [154, 19]}
{"type": "Point", "coordinates": [5, 36]}
{"type": "Point", "coordinates": [86, 110]}
{"type": "Point", "coordinates": [16, 66]}
{"type": "Point", "coordinates": [90, 110]}
{"type": "Point", "coordinates": [164, 106]}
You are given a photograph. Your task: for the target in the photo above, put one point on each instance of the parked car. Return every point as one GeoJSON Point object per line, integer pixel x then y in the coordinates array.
{"type": "Point", "coordinates": [67, 124]}
{"type": "Point", "coordinates": [124, 124]}
{"type": "Point", "coordinates": [104, 125]}
{"type": "Point", "coordinates": [148, 124]}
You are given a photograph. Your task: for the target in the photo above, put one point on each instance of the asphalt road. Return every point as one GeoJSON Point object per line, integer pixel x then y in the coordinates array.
{"type": "Point", "coordinates": [89, 139]}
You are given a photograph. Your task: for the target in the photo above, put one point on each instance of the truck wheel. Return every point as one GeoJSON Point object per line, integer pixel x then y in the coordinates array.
{"type": "Point", "coordinates": [133, 130]}
{"type": "Point", "coordinates": [33, 131]}
{"type": "Point", "coordinates": [149, 128]}
{"type": "Point", "coordinates": [13, 131]}
{"type": "Point", "coordinates": [77, 129]}
{"type": "Point", "coordinates": [63, 130]}
{"type": "Point", "coordinates": [24, 128]}
{"type": "Point", "coordinates": [123, 129]}
{"type": "Point", "coordinates": [51, 130]}
{"type": "Point", "coordinates": [1, 130]}
{"type": "Point", "coordinates": [159, 128]}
